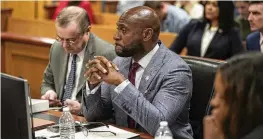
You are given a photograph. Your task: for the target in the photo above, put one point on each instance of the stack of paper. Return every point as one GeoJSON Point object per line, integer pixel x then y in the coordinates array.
{"type": "Point", "coordinates": [39, 105]}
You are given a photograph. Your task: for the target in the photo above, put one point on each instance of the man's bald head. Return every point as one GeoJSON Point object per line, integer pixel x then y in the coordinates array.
{"type": "Point", "coordinates": [143, 17]}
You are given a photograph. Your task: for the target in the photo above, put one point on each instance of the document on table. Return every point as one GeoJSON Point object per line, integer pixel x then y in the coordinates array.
{"type": "Point", "coordinates": [120, 134]}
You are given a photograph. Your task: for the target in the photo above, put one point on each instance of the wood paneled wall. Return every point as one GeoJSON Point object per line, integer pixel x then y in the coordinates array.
{"type": "Point", "coordinates": [35, 9]}
{"type": "Point", "coordinates": [26, 57]}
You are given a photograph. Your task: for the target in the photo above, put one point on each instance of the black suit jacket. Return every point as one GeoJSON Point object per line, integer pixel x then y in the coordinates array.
{"type": "Point", "coordinates": [223, 45]}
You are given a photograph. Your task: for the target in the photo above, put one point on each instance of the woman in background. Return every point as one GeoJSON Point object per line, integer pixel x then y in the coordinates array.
{"type": "Point", "coordinates": [83, 4]}
{"type": "Point", "coordinates": [213, 37]}
{"type": "Point", "coordinates": [238, 102]}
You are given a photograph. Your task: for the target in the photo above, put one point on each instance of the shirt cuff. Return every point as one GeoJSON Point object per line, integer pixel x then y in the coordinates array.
{"type": "Point", "coordinates": [88, 91]}
{"type": "Point", "coordinates": [121, 86]}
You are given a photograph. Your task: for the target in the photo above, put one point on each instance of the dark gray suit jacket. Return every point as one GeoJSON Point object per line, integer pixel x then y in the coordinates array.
{"type": "Point", "coordinates": [55, 72]}
{"type": "Point", "coordinates": [164, 93]}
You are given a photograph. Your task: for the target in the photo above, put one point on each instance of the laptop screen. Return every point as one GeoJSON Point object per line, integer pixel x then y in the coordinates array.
{"type": "Point", "coordinates": [15, 109]}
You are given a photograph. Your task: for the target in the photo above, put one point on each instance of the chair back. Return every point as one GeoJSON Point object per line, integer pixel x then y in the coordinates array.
{"type": "Point", "coordinates": [203, 73]}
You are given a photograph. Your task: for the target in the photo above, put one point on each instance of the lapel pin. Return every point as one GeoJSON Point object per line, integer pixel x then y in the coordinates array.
{"type": "Point", "coordinates": [147, 78]}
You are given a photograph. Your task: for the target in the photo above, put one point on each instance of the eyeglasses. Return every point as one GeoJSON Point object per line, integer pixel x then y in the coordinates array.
{"type": "Point", "coordinates": [70, 41]}
{"type": "Point", "coordinates": [86, 128]}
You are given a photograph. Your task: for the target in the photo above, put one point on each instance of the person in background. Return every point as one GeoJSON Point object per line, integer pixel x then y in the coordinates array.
{"type": "Point", "coordinates": [213, 37]}
{"type": "Point", "coordinates": [153, 84]}
{"type": "Point", "coordinates": [242, 18]}
{"type": "Point", "coordinates": [193, 8]}
{"type": "Point", "coordinates": [124, 5]}
{"type": "Point", "coordinates": [255, 18]}
{"type": "Point", "coordinates": [238, 102]}
{"type": "Point", "coordinates": [75, 45]}
{"type": "Point", "coordinates": [83, 4]}
{"type": "Point", "coordinates": [172, 18]}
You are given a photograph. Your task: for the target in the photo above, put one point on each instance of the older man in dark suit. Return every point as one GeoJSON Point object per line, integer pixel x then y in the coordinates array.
{"type": "Point", "coordinates": [146, 84]}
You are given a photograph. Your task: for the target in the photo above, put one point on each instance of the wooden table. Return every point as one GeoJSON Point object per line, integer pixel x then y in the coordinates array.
{"type": "Point", "coordinates": [52, 115]}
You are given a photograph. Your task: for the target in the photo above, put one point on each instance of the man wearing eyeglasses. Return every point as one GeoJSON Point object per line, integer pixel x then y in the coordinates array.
{"type": "Point", "coordinates": [75, 45]}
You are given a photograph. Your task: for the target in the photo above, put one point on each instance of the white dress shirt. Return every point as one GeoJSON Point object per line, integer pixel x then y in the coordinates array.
{"type": "Point", "coordinates": [143, 64]}
{"type": "Point", "coordinates": [208, 36]}
{"type": "Point", "coordinates": [79, 62]}
{"type": "Point", "coordinates": [261, 42]}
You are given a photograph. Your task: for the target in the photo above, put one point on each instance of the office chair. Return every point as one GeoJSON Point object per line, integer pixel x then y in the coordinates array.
{"type": "Point", "coordinates": [203, 73]}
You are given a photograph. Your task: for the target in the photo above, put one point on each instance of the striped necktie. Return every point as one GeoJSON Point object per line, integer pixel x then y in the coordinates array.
{"type": "Point", "coordinates": [70, 84]}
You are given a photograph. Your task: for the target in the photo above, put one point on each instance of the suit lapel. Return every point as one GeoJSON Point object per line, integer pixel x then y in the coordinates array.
{"type": "Point", "coordinates": [152, 69]}
{"type": "Point", "coordinates": [124, 66]}
{"type": "Point", "coordinates": [198, 40]}
{"type": "Point", "coordinates": [64, 60]}
{"type": "Point", "coordinates": [89, 54]}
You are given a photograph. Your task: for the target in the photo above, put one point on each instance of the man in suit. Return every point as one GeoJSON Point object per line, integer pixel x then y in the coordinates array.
{"type": "Point", "coordinates": [255, 18]}
{"type": "Point", "coordinates": [172, 18]}
{"type": "Point", "coordinates": [75, 45]}
{"type": "Point", "coordinates": [146, 84]}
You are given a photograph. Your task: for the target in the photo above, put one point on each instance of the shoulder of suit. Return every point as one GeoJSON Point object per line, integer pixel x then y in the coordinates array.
{"type": "Point", "coordinates": [196, 23]}
{"type": "Point", "coordinates": [253, 35]}
{"type": "Point", "coordinates": [56, 47]}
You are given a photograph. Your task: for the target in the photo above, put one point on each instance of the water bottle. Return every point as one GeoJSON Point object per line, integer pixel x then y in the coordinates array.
{"type": "Point", "coordinates": [66, 125]}
{"type": "Point", "coordinates": [163, 131]}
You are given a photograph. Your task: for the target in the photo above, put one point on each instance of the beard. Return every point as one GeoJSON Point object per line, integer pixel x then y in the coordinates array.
{"type": "Point", "coordinates": [130, 50]}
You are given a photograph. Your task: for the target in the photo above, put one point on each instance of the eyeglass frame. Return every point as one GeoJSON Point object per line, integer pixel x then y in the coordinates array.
{"type": "Point", "coordinates": [55, 128]}
{"type": "Point", "coordinates": [86, 131]}
{"type": "Point", "coordinates": [69, 41]}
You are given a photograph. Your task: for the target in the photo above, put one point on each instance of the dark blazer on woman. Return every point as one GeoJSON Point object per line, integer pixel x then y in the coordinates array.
{"type": "Point", "coordinates": [222, 46]}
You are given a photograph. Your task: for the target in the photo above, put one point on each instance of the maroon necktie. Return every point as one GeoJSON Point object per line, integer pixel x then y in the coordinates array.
{"type": "Point", "coordinates": [132, 74]}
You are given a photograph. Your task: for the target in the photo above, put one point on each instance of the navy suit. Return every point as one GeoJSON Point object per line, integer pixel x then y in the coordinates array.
{"type": "Point", "coordinates": [223, 45]}
{"type": "Point", "coordinates": [253, 41]}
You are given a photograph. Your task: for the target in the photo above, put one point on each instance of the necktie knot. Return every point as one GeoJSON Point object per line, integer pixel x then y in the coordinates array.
{"type": "Point", "coordinates": [74, 57]}
{"type": "Point", "coordinates": [132, 72]}
{"type": "Point", "coordinates": [135, 66]}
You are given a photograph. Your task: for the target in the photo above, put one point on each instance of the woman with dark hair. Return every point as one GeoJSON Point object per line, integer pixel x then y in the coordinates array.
{"type": "Point", "coordinates": [238, 102]}
{"type": "Point", "coordinates": [213, 37]}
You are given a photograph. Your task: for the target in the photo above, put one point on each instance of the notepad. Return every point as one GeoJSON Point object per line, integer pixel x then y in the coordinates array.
{"type": "Point", "coordinates": [120, 134]}
{"type": "Point", "coordinates": [39, 105]}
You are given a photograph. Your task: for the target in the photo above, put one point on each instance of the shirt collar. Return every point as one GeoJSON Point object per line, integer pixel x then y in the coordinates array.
{"type": "Point", "coordinates": [261, 38]}
{"type": "Point", "coordinates": [147, 58]}
{"type": "Point", "coordinates": [80, 54]}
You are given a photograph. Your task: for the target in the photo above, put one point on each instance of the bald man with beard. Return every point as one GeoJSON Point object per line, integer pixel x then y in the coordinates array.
{"type": "Point", "coordinates": [146, 84]}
